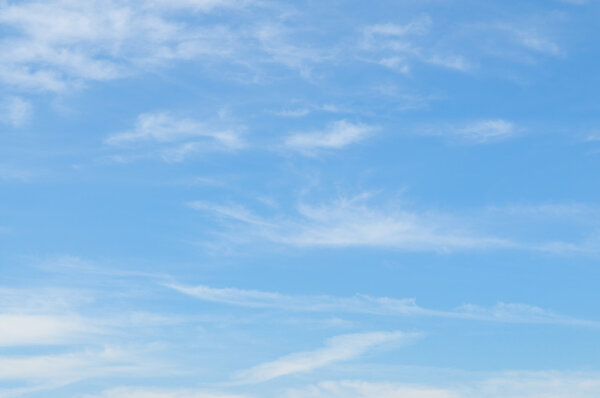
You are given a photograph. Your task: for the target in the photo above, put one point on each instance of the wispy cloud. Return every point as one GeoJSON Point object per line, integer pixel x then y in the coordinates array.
{"type": "Point", "coordinates": [336, 349]}
{"type": "Point", "coordinates": [274, 40]}
{"type": "Point", "coordinates": [138, 392]}
{"type": "Point", "coordinates": [337, 135]}
{"type": "Point", "coordinates": [61, 44]}
{"type": "Point", "coordinates": [53, 370]}
{"type": "Point", "coordinates": [476, 132]}
{"type": "Point", "coordinates": [531, 39]}
{"type": "Point", "coordinates": [15, 111]}
{"type": "Point", "coordinates": [385, 306]}
{"type": "Point", "coordinates": [496, 385]}
{"type": "Point", "coordinates": [308, 109]}
{"type": "Point", "coordinates": [365, 389]}
{"type": "Point", "coordinates": [175, 138]}
{"type": "Point", "coordinates": [397, 46]}
{"type": "Point", "coordinates": [352, 222]}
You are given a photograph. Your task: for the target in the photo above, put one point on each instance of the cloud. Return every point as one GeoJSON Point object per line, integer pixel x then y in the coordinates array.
{"type": "Point", "coordinates": [547, 384]}
{"type": "Point", "coordinates": [139, 392]}
{"type": "Point", "coordinates": [60, 44]}
{"type": "Point", "coordinates": [197, 5]}
{"type": "Point", "coordinates": [70, 367]}
{"type": "Point", "coordinates": [576, 2]}
{"type": "Point", "coordinates": [592, 137]}
{"type": "Point", "coordinates": [303, 111]}
{"type": "Point", "coordinates": [351, 222]}
{"type": "Point", "coordinates": [384, 306]}
{"type": "Point", "coordinates": [19, 329]}
{"type": "Point", "coordinates": [498, 385]}
{"type": "Point", "coordinates": [397, 46]}
{"type": "Point", "coordinates": [260, 299]}
{"type": "Point", "coordinates": [274, 41]}
{"type": "Point", "coordinates": [360, 222]}
{"type": "Point", "coordinates": [337, 349]}
{"type": "Point", "coordinates": [477, 132]}
{"type": "Point", "coordinates": [532, 39]}
{"type": "Point", "coordinates": [364, 389]}
{"type": "Point", "coordinates": [337, 135]}
{"type": "Point", "coordinates": [175, 138]}
{"type": "Point", "coordinates": [15, 111]}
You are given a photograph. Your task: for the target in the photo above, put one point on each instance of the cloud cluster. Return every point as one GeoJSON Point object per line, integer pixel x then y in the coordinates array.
{"type": "Point", "coordinates": [61, 44]}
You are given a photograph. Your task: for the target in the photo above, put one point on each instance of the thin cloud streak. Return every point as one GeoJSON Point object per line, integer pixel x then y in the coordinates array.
{"type": "Point", "coordinates": [336, 349]}
{"type": "Point", "coordinates": [474, 133]}
{"type": "Point", "coordinates": [517, 384]}
{"type": "Point", "coordinates": [383, 306]}
{"type": "Point", "coordinates": [133, 392]}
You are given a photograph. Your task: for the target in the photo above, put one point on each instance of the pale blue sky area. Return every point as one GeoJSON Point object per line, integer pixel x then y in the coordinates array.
{"type": "Point", "coordinates": [299, 199]}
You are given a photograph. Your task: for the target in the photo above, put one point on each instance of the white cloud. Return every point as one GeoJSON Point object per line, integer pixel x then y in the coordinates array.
{"type": "Point", "coordinates": [337, 135]}
{"type": "Point", "coordinates": [363, 389]}
{"type": "Point", "coordinates": [136, 392]}
{"type": "Point", "coordinates": [15, 111]}
{"type": "Point", "coordinates": [274, 41]}
{"type": "Point", "coordinates": [306, 110]}
{"type": "Point", "coordinates": [336, 349]}
{"type": "Point", "coordinates": [197, 5]}
{"type": "Point", "coordinates": [532, 39]}
{"type": "Point", "coordinates": [576, 2]}
{"type": "Point", "coordinates": [175, 138]}
{"type": "Point", "coordinates": [525, 40]}
{"type": "Point", "coordinates": [396, 46]}
{"type": "Point", "coordinates": [498, 385]}
{"type": "Point", "coordinates": [233, 212]}
{"type": "Point", "coordinates": [351, 222]}
{"type": "Point", "coordinates": [260, 299]}
{"type": "Point", "coordinates": [59, 44]}
{"type": "Point", "coordinates": [501, 312]}
{"type": "Point", "coordinates": [19, 329]}
{"type": "Point", "coordinates": [294, 113]}
{"type": "Point", "coordinates": [51, 301]}
{"type": "Point", "coordinates": [536, 384]}
{"type": "Point", "coordinates": [71, 367]}
{"type": "Point", "coordinates": [477, 132]}
{"type": "Point", "coordinates": [593, 137]}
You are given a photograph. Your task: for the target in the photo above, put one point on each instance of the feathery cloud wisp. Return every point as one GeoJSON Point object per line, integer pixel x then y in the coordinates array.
{"type": "Point", "coordinates": [477, 132]}
{"type": "Point", "coordinates": [364, 304]}
{"type": "Point", "coordinates": [175, 138]}
{"type": "Point", "coordinates": [350, 222]}
{"type": "Point", "coordinates": [336, 349]}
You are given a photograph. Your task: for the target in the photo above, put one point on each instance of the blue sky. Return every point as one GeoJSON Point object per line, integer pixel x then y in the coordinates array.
{"type": "Point", "coordinates": [299, 199]}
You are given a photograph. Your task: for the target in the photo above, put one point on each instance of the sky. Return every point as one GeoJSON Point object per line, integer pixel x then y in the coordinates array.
{"type": "Point", "coordinates": [299, 199]}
